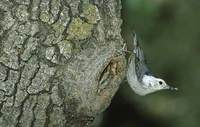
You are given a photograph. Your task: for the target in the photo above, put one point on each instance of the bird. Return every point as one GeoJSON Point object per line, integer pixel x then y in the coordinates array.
{"type": "Point", "coordinates": [138, 75]}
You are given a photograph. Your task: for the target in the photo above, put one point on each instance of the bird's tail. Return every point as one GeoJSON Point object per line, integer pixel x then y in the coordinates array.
{"type": "Point", "coordinates": [135, 41]}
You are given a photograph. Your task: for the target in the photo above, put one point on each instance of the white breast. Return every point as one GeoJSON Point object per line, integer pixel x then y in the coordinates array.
{"type": "Point", "coordinates": [136, 86]}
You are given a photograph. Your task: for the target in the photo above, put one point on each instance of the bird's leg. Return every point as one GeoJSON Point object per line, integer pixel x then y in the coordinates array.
{"type": "Point", "coordinates": [124, 49]}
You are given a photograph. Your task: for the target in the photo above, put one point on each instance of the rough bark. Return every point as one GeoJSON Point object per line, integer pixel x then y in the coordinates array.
{"type": "Point", "coordinates": [59, 61]}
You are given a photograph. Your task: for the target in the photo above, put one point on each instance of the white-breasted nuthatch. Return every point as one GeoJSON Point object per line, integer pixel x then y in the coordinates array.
{"type": "Point", "coordinates": [138, 75]}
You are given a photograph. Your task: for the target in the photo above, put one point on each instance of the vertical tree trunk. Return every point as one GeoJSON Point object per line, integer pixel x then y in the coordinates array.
{"type": "Point", "coordinates": [59, 61]}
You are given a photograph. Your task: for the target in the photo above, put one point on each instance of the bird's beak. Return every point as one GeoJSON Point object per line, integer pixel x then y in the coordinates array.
{"type": "Point", "coordinates": [171, 88]}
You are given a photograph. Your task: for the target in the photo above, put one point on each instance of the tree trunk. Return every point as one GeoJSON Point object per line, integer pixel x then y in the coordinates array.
{"type": "Point", "coordinates": [59, 61]}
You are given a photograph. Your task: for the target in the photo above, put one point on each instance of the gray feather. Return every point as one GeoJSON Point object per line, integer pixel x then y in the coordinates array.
{"type": "Point", "coordinates": [140, 65]}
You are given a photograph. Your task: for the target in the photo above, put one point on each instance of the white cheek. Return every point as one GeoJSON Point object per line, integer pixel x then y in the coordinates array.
{"type": "Point", "coordinates": [150, 84]}
{"type": "Point", "coordinates": [161, 86]}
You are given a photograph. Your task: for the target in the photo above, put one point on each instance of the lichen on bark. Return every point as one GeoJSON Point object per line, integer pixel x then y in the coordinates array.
{"type": "Point", "coordinates": [59, 61]}
{"type": "Point", "coordinates": [79, 30]}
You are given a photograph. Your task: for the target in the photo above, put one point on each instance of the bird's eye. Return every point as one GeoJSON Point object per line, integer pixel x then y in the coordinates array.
{"type": "Point", "coordinates": [160, 82]}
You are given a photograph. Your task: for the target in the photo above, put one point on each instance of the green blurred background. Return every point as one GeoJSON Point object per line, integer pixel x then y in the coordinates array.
{"type": "Point", "coordinates": [170, 34]}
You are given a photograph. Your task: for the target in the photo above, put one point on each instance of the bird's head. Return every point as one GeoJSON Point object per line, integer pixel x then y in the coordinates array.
{"type": "Point", "coordinates": [154, 84]}
{"type": "Point", "coordinates": [161, 84]}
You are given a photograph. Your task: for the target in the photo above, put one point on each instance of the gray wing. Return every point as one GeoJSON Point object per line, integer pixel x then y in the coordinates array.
{"type": "Point", "coordinates": [141, 68]}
